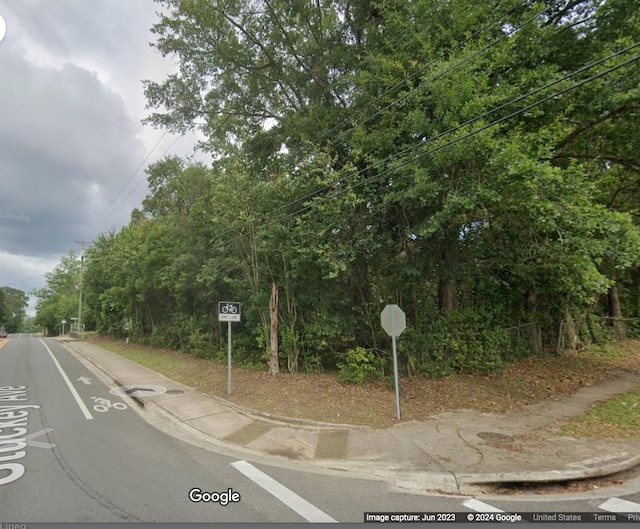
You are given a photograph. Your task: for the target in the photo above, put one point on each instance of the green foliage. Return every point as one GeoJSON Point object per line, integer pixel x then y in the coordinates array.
{"type": "Point", "coordinates": [59, 299]}
{"type": "Point", "coordinates": [357, 365]}
{"type": "Point", "coordinates": [462, 341]}
{"type": "Point", "coordinates": [417, 153]}
{"type": "Point", "coordinates": [13, 304]}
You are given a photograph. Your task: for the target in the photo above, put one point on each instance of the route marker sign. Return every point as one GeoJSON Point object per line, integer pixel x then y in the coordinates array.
{"type": "Point", "coordinates": [228, 311]}
{"type": "Point", "coordinates": [394, 322]}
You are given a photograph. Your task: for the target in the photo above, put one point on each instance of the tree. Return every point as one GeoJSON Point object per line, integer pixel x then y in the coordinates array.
{"type": "Point", "coordinates": [58, 300]}
{"type": "Point", "coordinates": [473, 161]}
{"type": "Point", "coordinates": [14, 304]}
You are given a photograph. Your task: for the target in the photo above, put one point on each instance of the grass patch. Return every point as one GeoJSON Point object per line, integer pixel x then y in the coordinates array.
{"type": "Point", "coordinates": [177, 366]}
{"type": "Point", "coordinates": [615, 418]}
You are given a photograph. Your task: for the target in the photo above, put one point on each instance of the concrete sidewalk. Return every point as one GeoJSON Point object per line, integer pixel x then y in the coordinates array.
{"type": "Point", "coordinates": [452, 452]}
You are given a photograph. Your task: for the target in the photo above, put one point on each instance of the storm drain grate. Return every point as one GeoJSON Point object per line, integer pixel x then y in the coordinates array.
{"type": "Point", "coordinates": [332, 444]}
{"type": "Point", "coordinates": [249, 433]}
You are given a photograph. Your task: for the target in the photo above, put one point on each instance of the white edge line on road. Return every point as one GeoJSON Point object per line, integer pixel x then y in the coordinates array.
{"type": "Point", "coordinates": [618, 505]}
{"type": "Point", "coordinates": [305, 509]}
{"type": "Point", "coordinates": [480, 506]}
{"type": "Point", "coordinates": [83, 408]}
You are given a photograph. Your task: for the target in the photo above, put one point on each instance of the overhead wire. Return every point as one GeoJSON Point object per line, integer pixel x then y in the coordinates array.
{"type": "Point", "coordinates": [448, 144]}
{"type": "Point", "coordinates": [423, 68]}
{"type": "Point", "coordinates": [334, 139]}
{"type": "Point", "coordinates": [95, 221]}
{"type": "Point", "coordinates": [161, 156]}
{"type": "Point", "coordinates": [400, 83]}
{"type": "Point", "coordinates": [434, 138]}
{"type": "Point", "coordinates": [348, 119]}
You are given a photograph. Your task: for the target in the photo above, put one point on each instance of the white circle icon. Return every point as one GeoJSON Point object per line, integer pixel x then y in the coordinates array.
{"type": "Point", "coordinates": [3, 28]}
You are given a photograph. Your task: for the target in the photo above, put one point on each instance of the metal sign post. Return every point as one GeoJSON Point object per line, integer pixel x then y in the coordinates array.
{"type": "Point", "coordinates": [228, 311]}
{"type": "Point", "coordinates": [229, 358]}
{"type": "Point", "coordinates": [394, 322]}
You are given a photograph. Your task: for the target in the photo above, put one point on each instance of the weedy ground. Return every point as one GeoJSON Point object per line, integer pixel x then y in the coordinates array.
{"type": "Point", "coordinates": [321, 396]}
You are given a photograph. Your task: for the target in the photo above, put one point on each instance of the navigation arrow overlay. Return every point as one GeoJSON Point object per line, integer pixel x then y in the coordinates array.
{"type": "Point", "coordinates": [86, 381]}
{"type": "Point", "coordinates": [39, 444]}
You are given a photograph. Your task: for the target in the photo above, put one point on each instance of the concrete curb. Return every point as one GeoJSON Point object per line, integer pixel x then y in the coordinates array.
{"type": "Point", "coordinates": [450, 482]}
{"type": "Point", "coordinates": [549, 475]}
{"type": "Point", "coordinates": [293, 421]}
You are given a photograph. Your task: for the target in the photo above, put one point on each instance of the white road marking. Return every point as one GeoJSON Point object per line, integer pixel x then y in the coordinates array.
{"type": "Point", "coordinates": [305, 509]}
{"type": "Point", "coordinates": [86, 381]}
{"type": "Point", "coordinates": [83, 408]}
{"type": "Point", "coordinates": [479, 506]}
{"type": "Point", "coordinates": [39, 444]}
{"type": "Point", "coordinates": [618, 505]}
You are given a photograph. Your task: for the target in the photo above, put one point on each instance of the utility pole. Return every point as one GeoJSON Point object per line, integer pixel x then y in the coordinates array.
{"type": "Point", "coordinates": [81, 242]}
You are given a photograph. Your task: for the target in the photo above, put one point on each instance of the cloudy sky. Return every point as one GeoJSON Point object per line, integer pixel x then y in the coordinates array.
{"type": "Point", "coordinates": [71, 138]}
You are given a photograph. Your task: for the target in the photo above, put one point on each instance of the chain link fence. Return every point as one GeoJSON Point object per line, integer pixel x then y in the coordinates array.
{"type": "Point", "coordinates": [578, 332]}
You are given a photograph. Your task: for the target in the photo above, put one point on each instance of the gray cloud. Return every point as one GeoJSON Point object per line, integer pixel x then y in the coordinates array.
{"type": "Point", "coordinates": [66, 143]}
{"type": "Point", "coordinates": [71, 102]}
{"type": "Point", "coordinates": [104, 28]}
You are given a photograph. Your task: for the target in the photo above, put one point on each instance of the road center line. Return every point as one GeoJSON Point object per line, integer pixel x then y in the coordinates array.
{"type": "Point", "coordinates": [479, 506]}
{"type": "Point", "coordinates": [305, 509]}
{"type": "Point", "coordinates": [83, 408]}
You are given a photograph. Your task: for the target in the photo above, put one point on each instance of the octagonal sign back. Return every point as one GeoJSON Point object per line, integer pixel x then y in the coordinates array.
{"type": "Point", "coordinates": [393, 320]}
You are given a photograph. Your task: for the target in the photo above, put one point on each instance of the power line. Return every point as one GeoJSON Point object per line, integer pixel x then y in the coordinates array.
{"type": "Point", "coordinates": [406, 79]}
{"type": "Point", "coordinates": [437, 137]}
{"type": "Point", "coordinates": [162, 156]}
{"type": "Point", "coordinates": [470, 134]}
{"type": "Point", "coordinates": [350, 118]}
{"type": "Point", "coordinates": [95, 222]}
{"type": "Point", "coordinates": [430, 63]}
{"type": "Point", "coordinates": [443, 146]}
{"type": "Point", "coordinates": [400, 83]}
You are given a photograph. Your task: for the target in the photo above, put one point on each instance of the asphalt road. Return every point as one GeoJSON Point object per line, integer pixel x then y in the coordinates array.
{"type": "Point", "coordinates": [67, 457]}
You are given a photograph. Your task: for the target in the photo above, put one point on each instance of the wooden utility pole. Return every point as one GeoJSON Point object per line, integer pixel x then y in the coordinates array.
{"type": "Point", "coordinates": [82, 243]}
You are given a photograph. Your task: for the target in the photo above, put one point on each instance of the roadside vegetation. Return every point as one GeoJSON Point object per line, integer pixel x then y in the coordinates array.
{"type": "Point", "coordinates": [618, 417]}
{"type": "Point", "coordinates": [475, 162]}
{"type": "Point", "coordinates": [13, 305]}
{"type": "Point", "coordinates": [322, 397]}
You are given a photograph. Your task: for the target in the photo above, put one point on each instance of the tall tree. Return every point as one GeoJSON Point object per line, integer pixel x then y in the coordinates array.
{"type": "Point", "coordinates": [474, 161]}
{"type": "Point", "coordinates": [15, 303]}
{"type": "Point", "coordinates": [58, 300]}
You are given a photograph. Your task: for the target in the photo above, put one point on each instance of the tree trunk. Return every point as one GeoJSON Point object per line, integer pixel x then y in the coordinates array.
{"type": "Point", "coordinates": [446, 295]}
{"type": "Point", "coordinates": [615, 311]}
{"type": "Point", "coordinates": [636, 282]}
{"type": "Point", "coordinates": [447, 245]}
{"type": "Point", "coordinates": [274, 365]}
{"type": "Point", "coordinates": [570, 331]}
{"type": "Point", "coordinates": [534, 328]}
